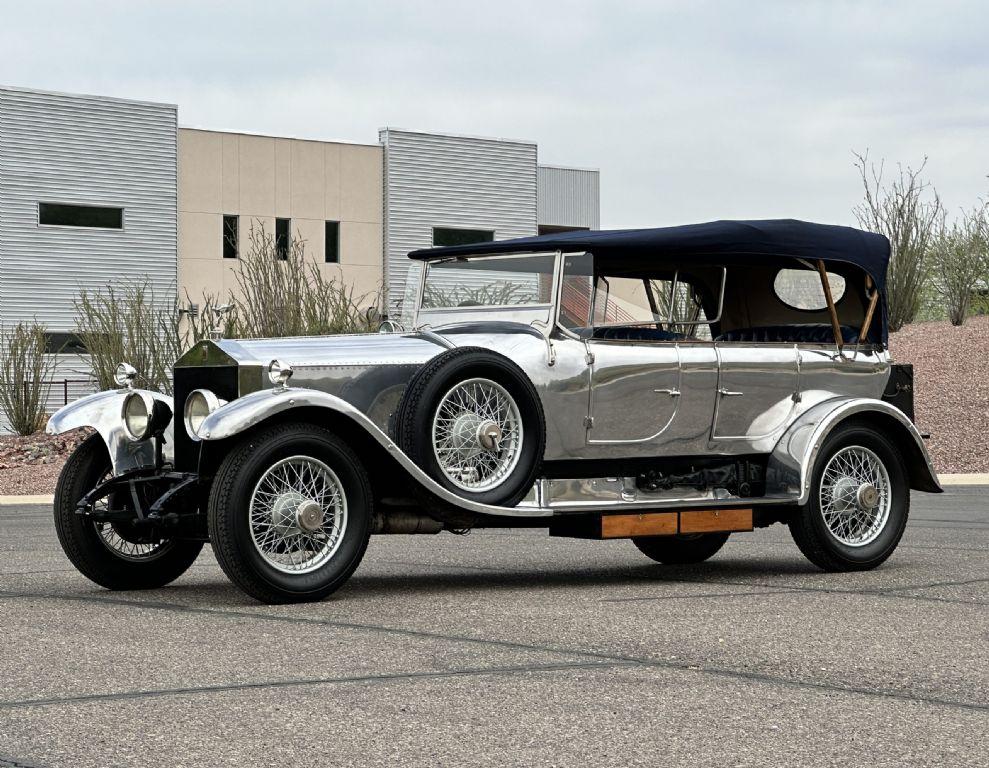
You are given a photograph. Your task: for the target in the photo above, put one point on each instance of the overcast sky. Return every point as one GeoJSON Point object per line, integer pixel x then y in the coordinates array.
{"type": "Point", "coordinates": [691, 110]}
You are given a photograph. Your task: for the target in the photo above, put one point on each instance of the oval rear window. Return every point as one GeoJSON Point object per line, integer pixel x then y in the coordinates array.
{"type": "Point", "coordinates": [801, 289]}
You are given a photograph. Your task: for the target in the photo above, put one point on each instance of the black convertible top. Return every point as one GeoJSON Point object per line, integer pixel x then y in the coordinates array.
{"type": "Point", "coordinates": [743, 241]}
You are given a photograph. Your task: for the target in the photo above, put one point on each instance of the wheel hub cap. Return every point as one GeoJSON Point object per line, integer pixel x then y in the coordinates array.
{"type": "Point", "coordinates": [855, 496]}
{"type": "Point", "coordinates": [477, 434]}
{"type": "Point", "coordinates": [298, 514]}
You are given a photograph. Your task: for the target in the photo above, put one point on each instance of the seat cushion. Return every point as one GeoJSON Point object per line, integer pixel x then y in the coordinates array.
{"type": "Point", "coordinates": [806, 333]}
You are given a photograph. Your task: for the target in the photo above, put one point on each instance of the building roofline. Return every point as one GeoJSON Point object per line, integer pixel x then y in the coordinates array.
{"type": "Point", "coordinates": [93, 96]}
{"type": "Point", "coordinates": [568, 167]}
{"type": "Point", "coordinates": [471, 137]}
{"type": "Point", "coordinates": [264, 135]}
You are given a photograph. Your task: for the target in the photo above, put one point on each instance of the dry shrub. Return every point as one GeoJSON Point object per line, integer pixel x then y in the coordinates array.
{"type": "Point", "coordinates": [906, 209]}
{"type": "Point", "coordinates": [25, 376]}
{"type": "Point", "coordinates": [130, 323]}
{"type": "Point", "coordinates": [959, 262]}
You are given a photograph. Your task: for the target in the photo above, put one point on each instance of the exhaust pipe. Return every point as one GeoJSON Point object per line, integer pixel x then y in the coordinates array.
{"type": "Point", "coordinates": [405, 523]}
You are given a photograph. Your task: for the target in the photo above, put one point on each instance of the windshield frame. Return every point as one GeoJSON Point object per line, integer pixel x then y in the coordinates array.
{"type": "Point", "coordinates": [534, 313]}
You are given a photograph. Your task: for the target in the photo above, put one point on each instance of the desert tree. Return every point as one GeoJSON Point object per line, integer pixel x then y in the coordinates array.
{"type": "Point", "coordinates": [959, 261]}
{"type": "Point", "coordinates": [129, 322]}
{"type": "Point", "coordinates": [26, 370]}
{"type": "Point", "coordinates": [907, 210]}
{"type": "Point", "coordinates": [282, 293]}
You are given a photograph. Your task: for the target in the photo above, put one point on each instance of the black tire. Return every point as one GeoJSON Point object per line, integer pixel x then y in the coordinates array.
{"type": "Point", "coordinates": [229, 513]}
{"type": "Point", "coordinates": [414, 419]}
{"type": "Point", "coordinates": [681, 550]}
{"type": "Point", "coordinates": [808, 526]}
{"type": "Point", "coordinates": [85, 547]}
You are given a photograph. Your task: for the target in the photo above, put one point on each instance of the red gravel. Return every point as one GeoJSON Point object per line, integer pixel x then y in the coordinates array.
{"type": "Point", "coordinates": [951, 389]}
{"type": "Point", "coordinates": [951, 381]}
{"type": "Point", "coordinates": [30, 465]}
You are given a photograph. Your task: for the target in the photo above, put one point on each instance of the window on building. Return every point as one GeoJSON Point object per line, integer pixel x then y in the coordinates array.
{"type": "Point", "coordinates": [333, 242]}
{"type": "Point", "coordinates": [231, 236]}
{"type": "Point", "coordinates": [456, 236]}
{"type": "Point", "coordinates": [282, 238]}
{"type": "Point", "coordinates": [58, 343]}
{"type": "Point", "coordinates": [65, 215]}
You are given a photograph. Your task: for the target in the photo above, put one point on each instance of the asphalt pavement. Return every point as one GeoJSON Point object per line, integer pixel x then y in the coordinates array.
{"type": "Point", "coordinates": [511, 648]}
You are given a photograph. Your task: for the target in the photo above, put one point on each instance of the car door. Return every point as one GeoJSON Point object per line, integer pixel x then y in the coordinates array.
{"type": "Point", "coordinates": [757, 389]}
{"type": "Point", "coordinates": [634, 392]}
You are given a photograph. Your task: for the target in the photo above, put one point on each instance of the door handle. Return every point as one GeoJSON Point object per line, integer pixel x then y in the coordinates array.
{"type": "Point", "coordinates": [728, 393]}
{"type": "Point", "coordinates": [670, 392]}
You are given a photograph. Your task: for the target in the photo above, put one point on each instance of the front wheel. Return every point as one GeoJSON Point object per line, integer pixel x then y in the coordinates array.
{"type": "Point", "coordinates": [114, 555]}
{"type": "Point", "coordinates": [290, 513]}
{"type": "Point", "coordinates": [681, 550]}
{"type": "Point", "coordinates": [859, 502]}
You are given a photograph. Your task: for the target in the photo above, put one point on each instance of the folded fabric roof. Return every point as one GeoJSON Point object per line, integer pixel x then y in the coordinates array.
{"type": "Point", "coordinates": [726, 241]}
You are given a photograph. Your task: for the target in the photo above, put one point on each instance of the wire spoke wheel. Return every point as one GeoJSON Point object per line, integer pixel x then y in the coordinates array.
{"type": "Point", "coordinates": [298, 514]}
{"type": "Point", "coordinates": [855, 496]}
{"type": "Point", "coordinates": [120, 541]}
{"type": "Point", "coordinates": [477, 434]}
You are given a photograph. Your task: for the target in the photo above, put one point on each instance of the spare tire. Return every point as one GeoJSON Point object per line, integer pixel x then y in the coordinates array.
{"type": "Point", "coordinates": [471, 419]}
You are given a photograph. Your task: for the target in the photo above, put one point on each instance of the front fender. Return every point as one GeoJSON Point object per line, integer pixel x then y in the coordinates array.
{"type": "Point", "coordinates": [791, 465]}
{"type": "Point", "coordinates": [251, 410]}
{"type": "Point", "coordinates": [102, 412]}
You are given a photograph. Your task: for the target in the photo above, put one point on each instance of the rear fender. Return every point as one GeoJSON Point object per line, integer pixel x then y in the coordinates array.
{"type": "Point", "coordinates": [102, 411]}
{"type": "Point", "coordinates": [792, 463]}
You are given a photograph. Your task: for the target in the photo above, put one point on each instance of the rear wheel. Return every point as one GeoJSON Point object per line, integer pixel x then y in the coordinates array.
{"type": "Point", "coordinates": [859, 502]}
{"type": "Point", "coordinates": [114, 555]}
{"type": "Point", "coordinates": [681, 550]}
{"type": "Point", "coordinates": [290, 513]}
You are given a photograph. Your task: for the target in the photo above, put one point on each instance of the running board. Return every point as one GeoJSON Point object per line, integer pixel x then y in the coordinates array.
{"type": "Point", "coordinates": [687, 521]}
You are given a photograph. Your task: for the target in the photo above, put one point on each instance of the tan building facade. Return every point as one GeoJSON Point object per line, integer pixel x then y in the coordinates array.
{"type": "Point", "coordinates": [321, 188]}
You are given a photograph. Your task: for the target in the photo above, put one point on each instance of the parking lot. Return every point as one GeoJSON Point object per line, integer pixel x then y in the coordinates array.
{"type": "Point", "coordinates": [511, 648]}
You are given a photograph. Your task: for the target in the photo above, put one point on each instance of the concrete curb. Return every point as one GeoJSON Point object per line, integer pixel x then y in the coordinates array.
{"type": "Point", "coordinates": [968, 478]}
{"type": "Point", "coordinates": [37, 499]}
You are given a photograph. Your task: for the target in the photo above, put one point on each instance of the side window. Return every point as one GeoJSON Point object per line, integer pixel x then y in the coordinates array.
{"type": "Point", "coordinates": [622, 300]}
{"type": "Point", "coordinates": [682, 303]}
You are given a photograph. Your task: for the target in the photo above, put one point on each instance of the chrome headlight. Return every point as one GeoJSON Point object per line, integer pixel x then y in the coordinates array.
{"type": "Point", "coordinates": [198, 405]}
{"type": "Point", "coordinates": [124, 375]}
{"type": "Point", "coordinates": [137, 413]}
{"type": "Point", "coordinates": [279, 373]}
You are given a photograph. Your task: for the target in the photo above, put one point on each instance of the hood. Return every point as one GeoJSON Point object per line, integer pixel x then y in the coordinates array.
{"type": "Point", "coordinates": [314, 351]}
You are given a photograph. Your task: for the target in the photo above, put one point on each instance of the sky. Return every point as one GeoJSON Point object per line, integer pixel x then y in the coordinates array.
{"type": "Point", "coordinates": [691, 110]}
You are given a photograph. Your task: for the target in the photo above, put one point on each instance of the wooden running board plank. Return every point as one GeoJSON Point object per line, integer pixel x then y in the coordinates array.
{"type": "Point", "coordinates": [648, 524]}
{"type": "Point", "coordinates": [715, 520]}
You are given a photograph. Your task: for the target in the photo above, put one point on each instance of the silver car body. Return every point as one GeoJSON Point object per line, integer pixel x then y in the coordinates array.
{"type": "Point", "coordinates": [603, 400]}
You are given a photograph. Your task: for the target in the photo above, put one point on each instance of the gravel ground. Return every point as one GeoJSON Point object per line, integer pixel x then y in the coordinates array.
{"type": "Point", "coordinates": [951, 389]}
{"type": "Point", "coordinates": [951, 370]}
{"type": "Point", "coordinates": [30, 465]}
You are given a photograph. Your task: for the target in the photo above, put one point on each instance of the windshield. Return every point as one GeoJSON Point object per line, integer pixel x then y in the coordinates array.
{"type": "Point", "coordinates": [489, 281]}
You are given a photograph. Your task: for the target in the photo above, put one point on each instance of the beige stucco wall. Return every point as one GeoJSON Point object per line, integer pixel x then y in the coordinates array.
{"type": "Point", "coordinates": [260, 178]}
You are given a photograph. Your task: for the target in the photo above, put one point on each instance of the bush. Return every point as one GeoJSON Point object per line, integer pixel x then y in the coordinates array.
{"type": "Point", "coordinates": [280, 294]}
{"type": "Point", "coordinates": [129, 323]}
{"type": "Point", "coordinates": [899, 210]}
{"type": "Point", "coordinates": [25, 376]}
{"type": "Point", "coordinates": [959, 262]}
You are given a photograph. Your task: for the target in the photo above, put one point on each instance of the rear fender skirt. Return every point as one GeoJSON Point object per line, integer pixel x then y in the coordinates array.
{"type": "Point", "coordinates": [251, 410]}
{"type": "Point", "coordinates": [791, 465]}
{"type": "Point", "coordinates": [102, 412]}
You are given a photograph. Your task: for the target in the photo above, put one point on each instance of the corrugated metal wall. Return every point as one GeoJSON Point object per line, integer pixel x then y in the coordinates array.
{"type": "Point", "coordinates": [435, 180]}
{"type": "Point", "coordinates": [83, 149]}
{"type": "Point", "coordinates": [569, 197]}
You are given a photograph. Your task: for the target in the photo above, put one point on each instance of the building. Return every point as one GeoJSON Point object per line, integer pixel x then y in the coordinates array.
{"type": "Point", "coordinates": [94, 190]}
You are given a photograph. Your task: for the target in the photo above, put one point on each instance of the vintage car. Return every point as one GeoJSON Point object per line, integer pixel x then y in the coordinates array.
{"type": "Point", "coordinates": [670, 386]}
